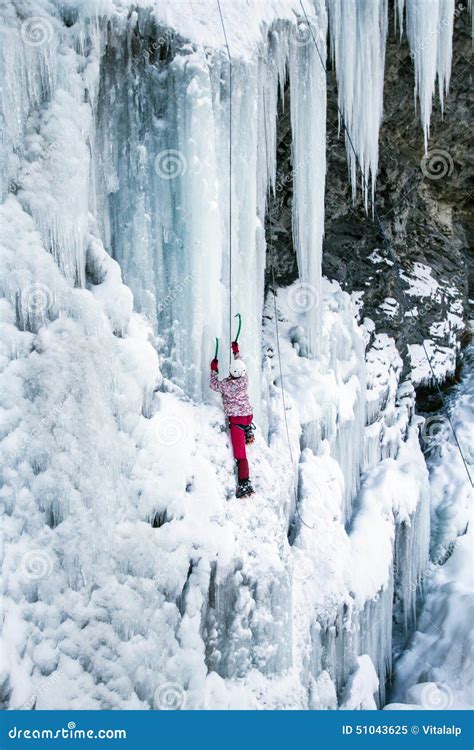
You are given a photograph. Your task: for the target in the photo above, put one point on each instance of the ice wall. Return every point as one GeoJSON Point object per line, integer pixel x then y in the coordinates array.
{"type": "Point", "coordinates": [356, 547]}
{"type": "Point", "coordinates": [163, 147]}
{"type": "Point", "coordinates": [132, 89]}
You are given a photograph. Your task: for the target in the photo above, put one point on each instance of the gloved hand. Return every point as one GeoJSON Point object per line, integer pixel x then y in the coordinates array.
{"type": "Point", "coordinates": [215, 365]}
{"type": "Point", "coordinates": [235, 348]}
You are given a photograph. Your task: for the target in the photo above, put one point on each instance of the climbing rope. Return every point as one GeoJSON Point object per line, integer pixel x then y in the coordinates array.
{"type": "Point", "coordinates": [230, 173]}
{"type": "Point", "coordinates": [271, 253]}
{"type": "Point", "coordinates": [389, 248]}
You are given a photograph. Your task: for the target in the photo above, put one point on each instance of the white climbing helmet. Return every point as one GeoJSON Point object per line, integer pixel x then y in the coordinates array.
{"type": "Point", "coordinates": [237, 368]}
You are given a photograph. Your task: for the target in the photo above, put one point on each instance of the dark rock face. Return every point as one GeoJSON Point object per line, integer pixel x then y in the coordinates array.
{"type": "Point", "coordinates": [424, 205]}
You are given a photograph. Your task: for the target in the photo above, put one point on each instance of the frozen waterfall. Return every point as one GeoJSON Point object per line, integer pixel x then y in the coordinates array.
{"type": "Point", "coordinates": [127, 565]}
{"type": "Point", "coordinates": [174, 147]}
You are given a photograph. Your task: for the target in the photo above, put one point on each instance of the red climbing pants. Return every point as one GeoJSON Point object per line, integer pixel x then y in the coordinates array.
{"type": "Point", "coordinates": [237, 436]}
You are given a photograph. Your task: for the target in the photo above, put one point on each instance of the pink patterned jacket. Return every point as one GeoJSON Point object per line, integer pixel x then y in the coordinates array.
{"type": "Point", "coordinates": [234, 392]}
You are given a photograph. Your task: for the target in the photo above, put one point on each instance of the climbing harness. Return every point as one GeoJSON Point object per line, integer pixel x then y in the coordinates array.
{"type": "Point", "coordinates": [249, 430]}
{"type": "Point", "coordinates": [388, 247]}
{"type": "Point", "coordinates": [230, 172]}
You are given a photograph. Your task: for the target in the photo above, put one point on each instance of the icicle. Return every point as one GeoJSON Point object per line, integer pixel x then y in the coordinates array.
{"type": "Point", "coordinates": [411, 559]}
{"type": "Point", "coordinates": [445, 48]}
{"type": "Point", "coordinates": [358, 36]}
{"type": "Point", "coordinates": [471, 13]}
{"type": "Point", "coordinates": [358, 631]}
{"type": "Point", "coordinates": [47, 116]}
{"type": "Point", "coordinates": [308, 122]}
{"type": "Point", "coordinates": [429, 31]}
{"type": "Point", "coordinates": [29, 71]}
{"type": "Point", "coordinates": [398, 15]}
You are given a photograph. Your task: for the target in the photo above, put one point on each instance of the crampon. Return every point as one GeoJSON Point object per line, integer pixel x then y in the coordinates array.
{"type": "Point", "coordinates": [244, 488]}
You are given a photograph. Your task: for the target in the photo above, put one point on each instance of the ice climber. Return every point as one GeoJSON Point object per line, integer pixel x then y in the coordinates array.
{"type": "Point", "coordinates": [237, 407]}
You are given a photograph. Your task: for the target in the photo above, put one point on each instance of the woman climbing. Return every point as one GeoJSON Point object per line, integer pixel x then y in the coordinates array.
{"type": "Point", "coordinates": [237, 407]}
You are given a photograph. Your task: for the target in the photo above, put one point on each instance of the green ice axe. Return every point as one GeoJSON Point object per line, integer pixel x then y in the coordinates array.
{"type": "Point", "coordinates": [217, 348]}
{"type": "Point", "coordinates": [240, 326]}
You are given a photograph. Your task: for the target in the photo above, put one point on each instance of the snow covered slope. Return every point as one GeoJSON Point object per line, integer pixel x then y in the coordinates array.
{"type": "Point", "coordinates": [143, 578]}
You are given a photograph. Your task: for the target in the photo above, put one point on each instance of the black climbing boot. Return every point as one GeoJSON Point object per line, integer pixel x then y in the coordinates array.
{"type": "Point", "coordinates": [244, 488]}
